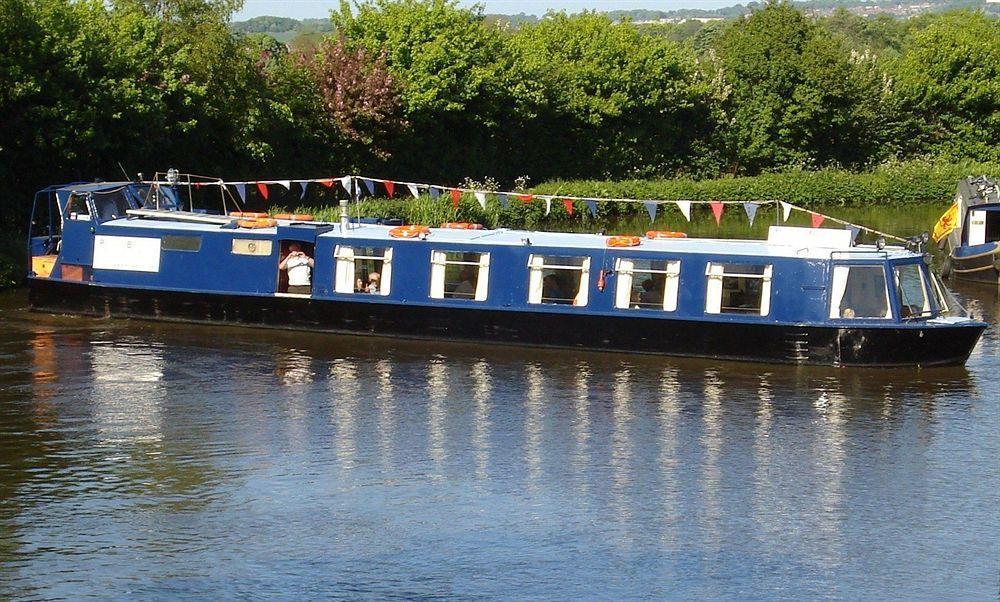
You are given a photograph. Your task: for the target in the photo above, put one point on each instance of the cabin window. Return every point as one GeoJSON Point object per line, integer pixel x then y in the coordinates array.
{"type": "Point", "coordinates": [111, 205]}
{"type": "Point", "coordinates": [735, 288]}
{"type": "Point", "coordinates": [257, 248]}
{"type": "Point", "coordinates": [859, 291]}
{"type": "Point", "coordinates": [459, 275]}
{"type": "Point", "coordinates": [558, 280]}
{"type": "Point", "coordinates": [77, 207]}
{"type": "Point", "coordinates": [363, 270]}
{"type": "Point", "coordinates": [647, 284]}
{"type": "Point", "coordinates": [912, 292]}
{"type": "Point", "coordinates": [181, 243]}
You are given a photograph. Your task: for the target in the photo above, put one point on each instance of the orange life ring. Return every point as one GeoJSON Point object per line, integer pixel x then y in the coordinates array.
{"type": "Point", "coordinates": [624, 241]}
{"type": "Point", "coordinates": [257, 223]}
{"type": "Point", "coordinates": [461, 226]}
{"type": "Point", "coordinates": [295, 217]}
{"type": "Point", "coordinates": [248, 214]}
{"type": "Point", "coordinates": [409, 231]}
{"type": "Point", "coordinates": [655, 234]}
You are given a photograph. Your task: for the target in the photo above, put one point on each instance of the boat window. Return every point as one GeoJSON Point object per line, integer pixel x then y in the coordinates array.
{"type": "Point", "coordinates": [181, 243]}
{"type": "Point", "coordinates": [77, 207]}
{"type": "Point", "coordinates": [735, 288]}
{"type": "Point", "coordinates": [459, 275]}
{"type": "Point", "coordinates": [558, 280]}
{"type": "Point", "coordinates": [647, 284]}
{"type": "Point", "coordinates": [363, 270]}
{"type": "Point", "coordinates": [911, 291]}
{"type": "Point", "coordinates": [111, 205]}
{"type": "Point", "coordinates": [255, 247]}
{"type": "Point", "coordinates": [859, 291]}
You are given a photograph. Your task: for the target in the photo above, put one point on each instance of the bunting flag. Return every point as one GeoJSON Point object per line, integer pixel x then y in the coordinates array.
{"type": "Point", "coordinates": [434, 192]}
{"type": "Point", "coordinates": [481, 197]}
{"type": "Point", "coordinates": [414, 190]}
{"type": "Point", "coordinates": [717, 209]}
{"type": "Point", "coordinates": [592, 207]}
{"type": "Point", "coordinates": [548, 206]}
{"type": "Point", "coordinates": [305, 186]}
{"type": "Point", "coordinates": [456, 194]}
{"type": "Point", "coordinates": [525, 198]}
{"type": "Point", "coordinates": [262, 187]}
{"type": "Point", "coordinates": [504, 202]}
{"type": "Point", "coordinates": [786, 210]}
{"type": "Point", "coordinates": [197, 185]}
{"type": "Point", "coordinates": [651, 209]}
{"type": "Point", "coordinates": [817, 219]}
{"type": "Point", "coordinates": [751, 209]}
{"type": "Point", "coordinates": [286, 183]}
{"type": "Point", "coordinates": [854, 232]}
{"type": "Point", "coordinates": [568, 204]}
{"type": "Point", "coordinates": [347, 182]}
{"type": "Point", "coordinates": [370, 186]}
{"type": "Point", "coordinates": [685, 207]}
{"type": "Point", "coordinates": [390, 187]}
{"type": "Point", "coordinates": [241, 189]}
{"type": "Point", "coordinates": [327, 183]}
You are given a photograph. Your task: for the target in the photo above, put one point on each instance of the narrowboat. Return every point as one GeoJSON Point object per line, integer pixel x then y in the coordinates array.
{"type": "Point", "coordinates": [970, 233]}
{"type": "Point", "coordinates": [802, 296]}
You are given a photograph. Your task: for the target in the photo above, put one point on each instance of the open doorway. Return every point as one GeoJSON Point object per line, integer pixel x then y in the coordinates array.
{"type": "Point", "coordinates": [295, 267]}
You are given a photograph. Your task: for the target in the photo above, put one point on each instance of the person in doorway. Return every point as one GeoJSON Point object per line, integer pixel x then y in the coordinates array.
{"type": "Point", "coordinates": [299, 266]}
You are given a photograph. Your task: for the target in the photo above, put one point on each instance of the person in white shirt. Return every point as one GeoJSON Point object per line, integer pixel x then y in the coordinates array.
{"type": "Point", "coordinates": [299, 267]}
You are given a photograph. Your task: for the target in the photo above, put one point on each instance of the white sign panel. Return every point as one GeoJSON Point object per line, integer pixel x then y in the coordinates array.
{"type": "Point", "coordinates": [127, 253]}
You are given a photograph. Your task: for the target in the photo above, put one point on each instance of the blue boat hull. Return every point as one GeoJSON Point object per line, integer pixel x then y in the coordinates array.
{"type": "Point", "coordinates": [980, 263]}
{"type": "Point", "coordinates": [795, 344]}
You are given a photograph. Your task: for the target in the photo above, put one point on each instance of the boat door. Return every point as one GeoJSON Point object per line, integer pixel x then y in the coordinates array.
{"type": "Point", "coordinates": [296, 264]}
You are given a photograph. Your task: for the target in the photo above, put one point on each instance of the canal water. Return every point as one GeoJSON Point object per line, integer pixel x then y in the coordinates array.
{"type": "Point", "coordinates": [149, 460]}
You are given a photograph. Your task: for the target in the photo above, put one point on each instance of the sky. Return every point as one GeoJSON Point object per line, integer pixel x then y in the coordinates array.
{"type": "Point", "coordinates": [301, 9]}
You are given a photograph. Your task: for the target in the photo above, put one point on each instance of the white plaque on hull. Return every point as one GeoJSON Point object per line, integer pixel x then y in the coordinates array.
{"type": "Point", "coordinates": [127, 253]}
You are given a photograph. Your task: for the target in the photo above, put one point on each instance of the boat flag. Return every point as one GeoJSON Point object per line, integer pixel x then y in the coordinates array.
{"type": "Point", "coordinates": [456, 194]}
{"type": "Point", "coordinates": [241, 189]}
{"type": "Point", "coordinates": [305, 186]}
{"type": "Point", "coordinates": [481, 197]}
{"type": "Point", "coordinates": [651, 209]}
{"type": "Point", "coordinates": [854, 231]}
{"type": "Point", "coordinates": [390, 187]}
{"type": "Point", "coordinates": [328, 183]}
{"type": "Point", "coordinates": [751, 209]}
{"type": "Point", "coordinates": [346, 182]}
{"type": "Point", "coordinates": [503, 200]}
{"type": "Point", "coordinates": [434, 192]}
{"type": "Point", "coordinates": [262, 187]}
{"type": "Point", "coordinates": [786, 210]}
{"type": "Point", "coordinates": [286, 183]}
{"type": "Point", "coordinates": [414, 190]}
{"type": "Point", "coordinates": [946, 223]}
{"type": "Point", "coordinates": [568, 204]}
{"type": "Point", "coordinates": [685, 207]}
{"type": "Point", "coordinates": [548, 206]}
{"type": "Point", "coordinates": [717, 209]}
{"type": "Point", "coordinates": [592, 207]}
{"type": "Point", "coordinates": [370, 186]}
{"type": "Point", "coordinates": [525, 198]}
{"type": "Point", "coordinates": [816, 219]}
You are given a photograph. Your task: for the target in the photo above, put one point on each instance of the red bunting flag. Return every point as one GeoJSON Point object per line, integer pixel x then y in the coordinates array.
{"type": "Point", "coordinates": [817, 219]}
{"type": "Point", "coordinates": [717, 211]}
{"type": "Point", "coordinates": [327, 183]}
{"type": "Point", "coordinates": [568, 204]}
{"type": "Point", "coordinates": [456, 194]}
{"type": "Point", "coordinates": [525, 198]}
{"type": "Point", "coordinates": [390, 187]}
{"type": "Point", "coordinates": [197, 185]}
{"type": "Point", "coordinates": [262, 187]}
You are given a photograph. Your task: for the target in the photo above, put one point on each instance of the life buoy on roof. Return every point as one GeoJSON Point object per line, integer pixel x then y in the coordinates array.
{"type": "Point", "coordinates": [257, 223]}
{"type": "Point", "coordinates": [461, 226]}
{"type": "Point", "coordinates": [295, 217]}
{"type": "Point", "coordinates": [412, 231]}
{"type": "Point", "coordinates": [655, 234]}
{"type": "Point", "coordinates": [624, 241]}
{"type": "Point", "coordinates": [248, 214]}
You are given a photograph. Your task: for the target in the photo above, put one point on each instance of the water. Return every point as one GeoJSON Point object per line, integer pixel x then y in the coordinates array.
{"type": "Point", "coordinates": [144, 460]}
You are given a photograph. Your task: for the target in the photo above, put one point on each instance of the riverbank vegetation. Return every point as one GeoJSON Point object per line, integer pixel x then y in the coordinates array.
{"type": "Point", "coordinates": [426, 90]}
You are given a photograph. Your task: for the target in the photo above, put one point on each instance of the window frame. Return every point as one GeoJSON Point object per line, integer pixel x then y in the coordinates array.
{"type": "Point", "coordinates": [625, 279]}
{"type": "Point", "coordinates": [927, 311]}
{"type": "Point", "coordinates": [837, 284]}
{"type": "Point", "coordinates": [536, 267]}
{"type": "Point", "coordinates": [715, 275]}
{"type": "Point", "coordinates": [341, 258]}
{"type": "Point", "coordinates": [439, 269]}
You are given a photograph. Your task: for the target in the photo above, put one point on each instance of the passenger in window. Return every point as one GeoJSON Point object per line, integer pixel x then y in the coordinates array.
{"type": "Point", "coordinates": [465, 287]}
{"type": "Point", "coordinates": [299, 266]}
{"type": "Point", "coordinates": [551, 291]}
{"type": "Point", "coordinates": [373, 283]}
{"type": "Point", "coordinates": [649, 294]}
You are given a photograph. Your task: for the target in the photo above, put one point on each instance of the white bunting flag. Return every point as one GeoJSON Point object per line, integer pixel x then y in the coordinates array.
{"type": "Point", "coordinates": [346, 183]}
{"type": "Point", "coordinates": [481, 197]}
{"type": "Point", "coordinates": [786, 210]}
{"type": "Point", "coordinates": [548, 205]}
{"type": "Point", "coordinates": [685, 207]}
{"type": "Point", "coordinates": [286, 183]}
{"type": "Point", "coordinates": [413, 190]}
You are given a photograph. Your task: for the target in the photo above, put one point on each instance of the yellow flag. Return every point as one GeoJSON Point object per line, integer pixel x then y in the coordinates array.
{"type": "Point", "coordinates": [946, 223]}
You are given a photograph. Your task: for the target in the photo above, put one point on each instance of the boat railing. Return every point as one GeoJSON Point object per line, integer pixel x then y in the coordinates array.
{"type": "Point", "coordinates": [853, 253]}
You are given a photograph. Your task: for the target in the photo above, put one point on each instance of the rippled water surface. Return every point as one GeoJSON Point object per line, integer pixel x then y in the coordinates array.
{"type": "Point", "coordinates": [143, 460]}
